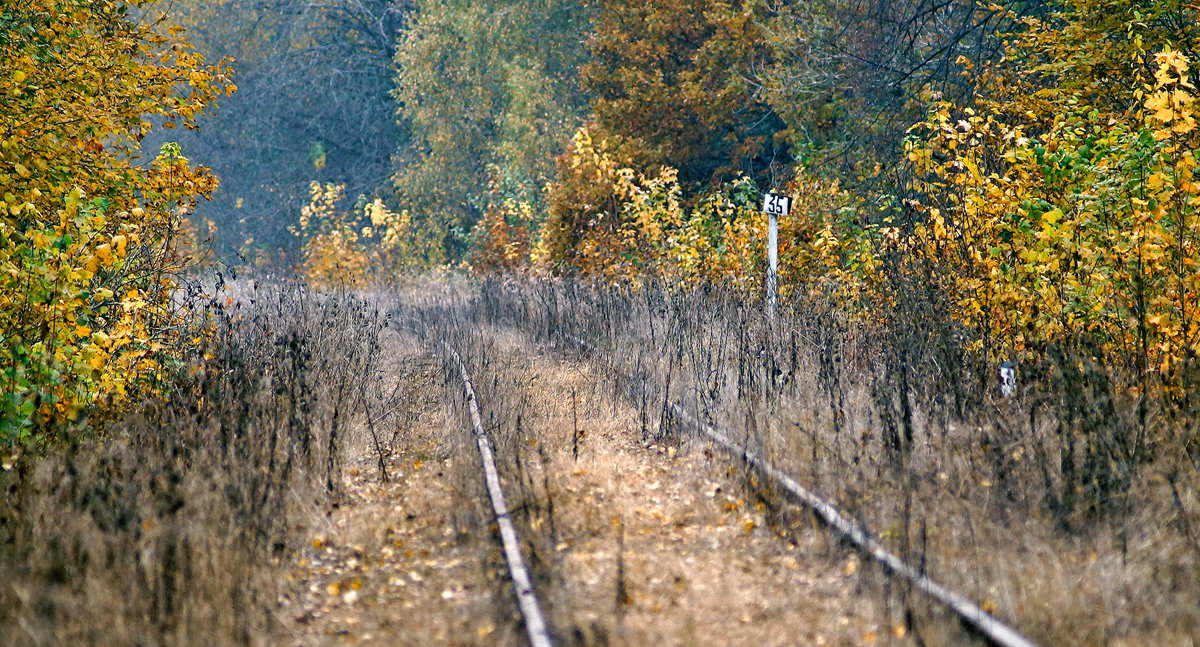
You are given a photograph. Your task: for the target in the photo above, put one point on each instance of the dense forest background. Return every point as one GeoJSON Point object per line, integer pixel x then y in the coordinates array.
{"type": "Point", "coordinates": [448, 109]}
{"type": "Point", "coordinates": [1029, 165]}
{"type": "Point", "coordinates": [213, 215]}
{"type": "Point", "coordinates": [1003, 151]}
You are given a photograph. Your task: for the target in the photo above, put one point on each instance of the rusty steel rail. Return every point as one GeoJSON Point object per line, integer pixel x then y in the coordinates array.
{"type": "Point", "coordinates": [985, 624]}
{"type": "Point", "coordinates": [535, 623]}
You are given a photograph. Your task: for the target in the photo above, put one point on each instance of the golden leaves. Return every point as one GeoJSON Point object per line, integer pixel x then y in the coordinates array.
{"type": "Point", "coordinates": [1040, 244]}
{"type": "Point", "coordinates": [85, 221]}
{"type": "Point", "coordinates": [1171, 103]}
{"type": "Point", "coordinates": [352, 248]}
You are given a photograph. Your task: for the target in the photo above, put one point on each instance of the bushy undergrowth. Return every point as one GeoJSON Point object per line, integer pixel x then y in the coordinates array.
{"type": "Point", "coordinates": [165, 528]}
{"type": "Point", "coordinates": [1070, 509]}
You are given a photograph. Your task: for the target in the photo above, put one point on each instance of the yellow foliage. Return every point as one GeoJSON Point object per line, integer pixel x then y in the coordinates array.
{"type": "Point", "coordinates": [609, 221]}
{"type": "Point", "coordinates": [1087, 228]}
{"type": "Point", "coordinates": [83, 217]}
{"type": "Point", "coordinates": [369, 245]}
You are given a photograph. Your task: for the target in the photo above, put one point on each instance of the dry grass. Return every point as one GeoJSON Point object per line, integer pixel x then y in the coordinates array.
{"type": "Point", "coordinates": [1071, 510]}
{"type": "Point", "coordinates": [406, 560]}
{"type": "Point", "coordinates": [168, 527]}
{"type": "Point", "coordinates": [643, 540]}
{"type": "Point", "coordinates": [313, 481]}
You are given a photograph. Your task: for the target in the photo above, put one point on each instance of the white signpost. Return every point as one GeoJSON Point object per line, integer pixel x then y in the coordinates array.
{"type": "Point", "coordinates": [774, 205]}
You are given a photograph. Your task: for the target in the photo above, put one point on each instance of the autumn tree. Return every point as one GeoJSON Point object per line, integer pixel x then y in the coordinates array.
{"type": "Point", "coordinates": [89, 227]}
{"type": "Point", "coordinates": [1097, 53]}
{"type": "Point", "coordinates": [671, 104]}
{"type": "Point", "coordinates": [669, 87]}
{"type": "Point", "coordinates": [489, 91]}
{"type": "Point", "coordinates": [848, 78]}
{"type": "Point", "coordinates": [1058, 207]}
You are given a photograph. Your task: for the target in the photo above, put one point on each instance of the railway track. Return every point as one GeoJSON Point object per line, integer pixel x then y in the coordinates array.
{"type": "Point", "coordinates": [987, 626]}
{"type": "Point", "coordinates": [970, 614]}
{"type": "Point", "coordinates": [536, 627]}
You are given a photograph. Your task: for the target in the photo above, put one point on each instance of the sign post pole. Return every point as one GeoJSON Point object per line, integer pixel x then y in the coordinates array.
{"type": "Point", "coordinates": [772, 263]}
{"type": "Point", "coordinates": [774, 205]}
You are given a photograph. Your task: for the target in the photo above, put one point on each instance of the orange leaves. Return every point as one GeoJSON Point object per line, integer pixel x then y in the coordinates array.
{"type": "Point", "coordinates": [502, 239]}
{"type": "Point", "coordinates": [667, 89]}
{"type": "Point", "coordinates": [609, 221]}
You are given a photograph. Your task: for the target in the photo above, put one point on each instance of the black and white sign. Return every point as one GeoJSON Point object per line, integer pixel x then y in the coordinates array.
{"type": "Point", "coordinates": [776, 204]}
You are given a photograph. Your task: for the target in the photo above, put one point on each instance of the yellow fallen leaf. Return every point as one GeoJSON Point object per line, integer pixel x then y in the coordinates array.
{"type": "Point", "coordinates": [83, 331]}
{"type": "Point", "coordinates": [851, 566]}
{"type": "Point", "coordinates": [334, 589]}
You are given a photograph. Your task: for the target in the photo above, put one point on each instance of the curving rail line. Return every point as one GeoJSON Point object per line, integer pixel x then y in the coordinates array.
{"type": "Point", "coordinates": [988, 626]}
{"type": "Point", "coordinates": [535, 623]}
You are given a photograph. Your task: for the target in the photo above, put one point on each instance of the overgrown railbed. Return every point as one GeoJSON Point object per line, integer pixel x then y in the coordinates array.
{"type": "Point", "coordinates": [1070, 509]}
{"type": "Point", "coordinates": [633, 539]}
{"type": "Point", "coordinates": [164, 529]}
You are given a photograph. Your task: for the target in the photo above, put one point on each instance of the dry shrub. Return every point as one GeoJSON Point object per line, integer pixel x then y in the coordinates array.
{"type": "Point", "coordinates": [164, 529]}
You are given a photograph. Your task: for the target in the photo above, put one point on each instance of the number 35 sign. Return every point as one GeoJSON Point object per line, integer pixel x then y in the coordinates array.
{"type": "Point", "coordinates": [776, 204]}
